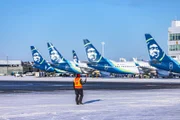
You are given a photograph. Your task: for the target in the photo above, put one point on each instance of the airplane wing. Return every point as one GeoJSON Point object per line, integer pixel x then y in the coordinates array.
{"type": "Point", "coordinates": [144, 69]}
{"type": "Point", "coordinates": [87, 69]}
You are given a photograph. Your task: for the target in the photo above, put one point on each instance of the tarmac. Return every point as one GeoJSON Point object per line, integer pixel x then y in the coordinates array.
{"type": "Point", "coordinates": [31, 83]}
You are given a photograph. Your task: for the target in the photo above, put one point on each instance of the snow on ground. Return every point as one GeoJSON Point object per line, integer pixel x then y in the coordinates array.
{"type": "Point", "coordinates": [98, 105]}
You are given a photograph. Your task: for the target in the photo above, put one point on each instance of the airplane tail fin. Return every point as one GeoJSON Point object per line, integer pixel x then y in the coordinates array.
{"type": "Point", "coordinates": [39, 61]}
{"type": "Point", "coordinates": [92, 53]}
{"type": "Point", "coordinates": [37, 58]}
{"type": "Point", "coordinates": [154, 50]}
{"type": "Point", "coordinates": [55, 56]}
{"type": "Point", "coordinates": [75, 57]}
{"type": "Point", "coordinates": [138, 65]}
{"type": "Point", "coordinates": [135, 61]}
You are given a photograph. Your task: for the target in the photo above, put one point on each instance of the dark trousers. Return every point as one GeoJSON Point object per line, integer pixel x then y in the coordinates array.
{"type": "Point", "coordinates": [79, 96]}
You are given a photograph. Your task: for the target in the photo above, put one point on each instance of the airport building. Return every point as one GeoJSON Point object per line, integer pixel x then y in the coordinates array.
{"type": "Point", "coordinates": [174, 40]}
{"type": "Point", "coordinates": [7, 67]}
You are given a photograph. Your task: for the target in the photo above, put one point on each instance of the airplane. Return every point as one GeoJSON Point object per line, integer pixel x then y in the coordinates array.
{"type": "Point", "coordinates": [158, 57]}
{"type": "Point", "coordinates": [41, 63]}
{"type": "Point", "coordinates": [84, 67]}
{"type": "Point", "coordinates": [97, 61]}
{"type": "Point", "coordinates": [60, 62]}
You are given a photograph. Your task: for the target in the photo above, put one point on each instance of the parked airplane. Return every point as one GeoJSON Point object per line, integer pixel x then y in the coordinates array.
{"type": "Point", "coordinates": [41, 63]}
{"type": "Point", "coordinates": [84, 67]}
{"type": "Point", "coordinates": [158, 57]}
{"type": "Point", "coordinates": [97, 61]}
{"type": "Point", "coordinates": [60, 62]}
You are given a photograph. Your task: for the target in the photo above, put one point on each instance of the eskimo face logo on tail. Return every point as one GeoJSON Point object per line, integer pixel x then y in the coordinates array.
{"type": "Point", "coordinates": [91, 54]}
{"type": "Point", "coordinates": [154, 51]}
{"type": "Point", "coordinates": [55, 56]}
{"type": "Point", "coordinates": [75, 59]}
{"type": "Point", "coordinates": [36, 57]}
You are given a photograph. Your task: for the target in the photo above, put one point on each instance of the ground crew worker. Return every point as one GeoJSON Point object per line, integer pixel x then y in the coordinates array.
{"type": "Point", "coordinates": [77, 84]}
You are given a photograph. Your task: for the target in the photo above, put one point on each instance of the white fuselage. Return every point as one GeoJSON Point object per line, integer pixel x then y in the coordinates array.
{"type": "Point", "coordinates": [126, 66]}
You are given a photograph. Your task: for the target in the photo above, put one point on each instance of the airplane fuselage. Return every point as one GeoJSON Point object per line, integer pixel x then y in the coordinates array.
{"type": "Point", "coordinates": [116, 67]}
{"type": "Point", "coordinates": [168, 66]}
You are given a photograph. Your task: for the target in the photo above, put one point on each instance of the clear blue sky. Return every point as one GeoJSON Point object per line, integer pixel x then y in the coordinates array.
{"type": "Point", "coordinates": [121, 24]}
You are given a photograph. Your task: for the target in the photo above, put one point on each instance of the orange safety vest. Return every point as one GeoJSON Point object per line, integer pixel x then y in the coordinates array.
{"type": "Point", "coordinates": [77, 83]}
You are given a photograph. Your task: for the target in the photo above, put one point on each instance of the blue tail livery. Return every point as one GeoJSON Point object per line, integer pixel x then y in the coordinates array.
{"type": "Point", "coordinates": [60, 62]}
{"type": "Point", "coordinates": [55, 56]}
{"type": "Point", "coordinates": [92, 53]}
{"type": "Point", "coordinates": [39, 61]}
{"type": "Point", "coordinates": [158, 57]}
{"type": "Point", "coordinates": [75, 57]}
